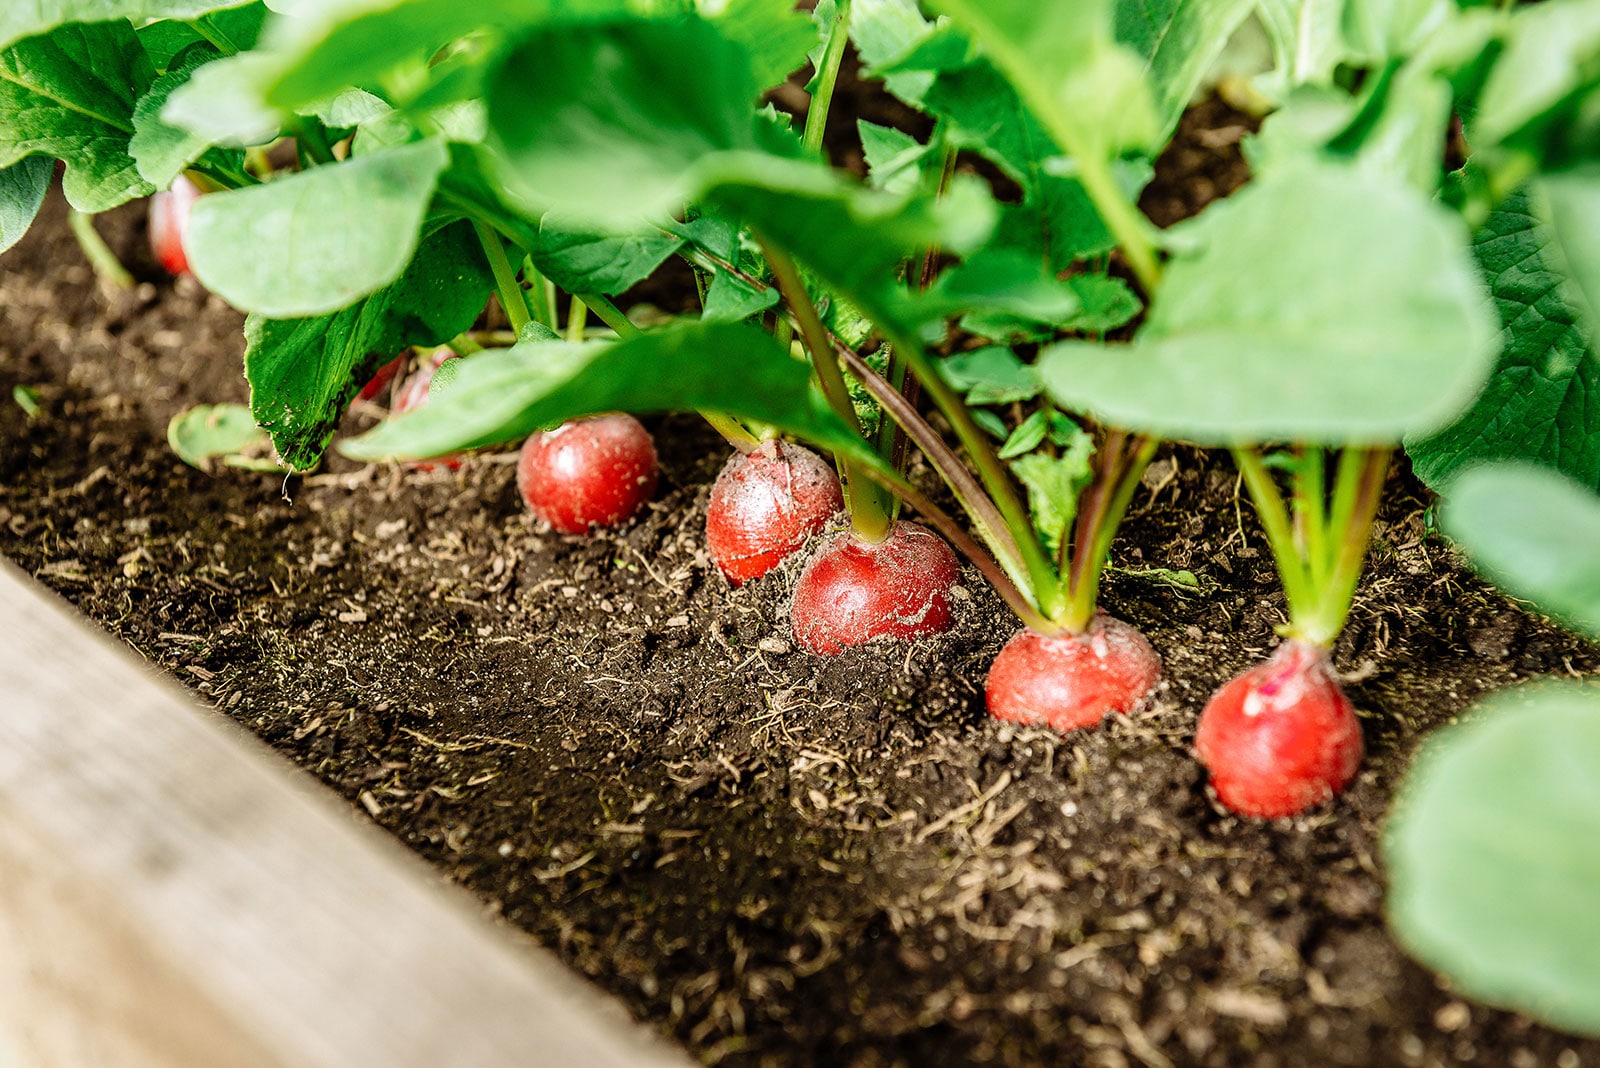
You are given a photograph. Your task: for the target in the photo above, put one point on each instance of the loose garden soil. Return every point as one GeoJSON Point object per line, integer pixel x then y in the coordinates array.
{"type": "Point", "coordinates": [776, 858]}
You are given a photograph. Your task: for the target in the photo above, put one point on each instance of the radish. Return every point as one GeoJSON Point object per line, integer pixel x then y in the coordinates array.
{"type": "Point", "coordinates": [1069, 681]}
{"type": "Point", "coordinates": [1282, 736]}
{"type": "Point", "coordinates": [169, 222]}
{"type": "Point", "coordinates": [413, 394]}
{"type": "Point", "coordinates": [854, 592]}
{"type": "Point", "coordinates": [380, 381]}
{"type": "Point", "coordinates": [589, 472]}
{"type": "Point", "coordinates": [765, 504]}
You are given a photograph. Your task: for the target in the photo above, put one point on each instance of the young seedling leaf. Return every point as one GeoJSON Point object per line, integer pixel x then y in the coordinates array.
{"type": "Point", "coordinates": [1247, 341]}
{"type": "Point", "coordinates": [304, 372]}
{"type": "Point", "coordinates": [507, 394]}
{"type": "Point", "coordinates": [896, 161]}
{"type": "Point", "coordinates": [28, 18]}
{"type": "Point", "coordinates": [582, 262]}
{"type": "Point", "coordinates": [886, 31]}
{"type": "Point", "coordinates": [1542, 403]}
{"type": "Point", "coordinates": [1535, 533]}
{"type": "Point", "coordinates": [69, 94]}
{"type": "Point", "coordinates": [22, 189]}
{"type": "Point", "coordinates": [160, 150]}
{"type": "Point", "coordinates": [1054, 484]}
{"type": "Point", "coordinates": [1179, 40]}
{"type": "Point", "coordinates": [1493, 854]}
{"type": "Point", "coordinates": [992, 375]}
{"type": "Point", "coordinates": [209, 434]}
{"type": "Point", "coordinates": [316, 241]}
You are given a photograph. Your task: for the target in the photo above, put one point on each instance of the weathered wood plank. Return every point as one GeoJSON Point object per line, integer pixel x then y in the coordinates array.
{"type": "Point", "coordinates": [173, 894]}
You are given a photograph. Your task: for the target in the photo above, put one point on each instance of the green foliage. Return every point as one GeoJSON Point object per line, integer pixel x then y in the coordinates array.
{"type": "Point", "coordinates": [304, 372]}
{"type": "Point", "coordinates": [581, 262]}
{"type": "Point", "coordinates": [162, 151]}
{"type": "Point", "coordinates": [1179, 40]}
{"type": "Point", "coordinates": [1054, 484]}
{"type": "Point", "coordinates": [313, 242]}
{"type": "Point", "coordinates": [28, 18]}
{"type": "Point", "coordinates": [1542, 403]}
{"type": "Point", "coordinates": [209, 434]}
{"type": "Point", "coordinates": [1534, 532]}
{"type": "Point", "coordinates": [507, 394]}
{"type": "Point", "coordinates": [1543, 83]}
{"type": "Point", "coordinates": [22, 189]}
{"type": "Point", "coordinates": [1493, 853]}
{"type": "Point", "coordinates": [70, 94]}
{"type": "Point", "coordinates": [1573, 199]}
{"type": "Point", "coordinates": [1368, 325]}
{"type": "Point", "coordinates": [991, 375]}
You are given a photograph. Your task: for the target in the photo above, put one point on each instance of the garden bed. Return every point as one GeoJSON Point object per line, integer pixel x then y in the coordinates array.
{"type": "Point", "coordinates": [776, 858]}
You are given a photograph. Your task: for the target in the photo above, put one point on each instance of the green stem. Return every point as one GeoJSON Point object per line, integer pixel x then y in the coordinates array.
{"type": "Point", "coordinates": [505, 279]}
{"type": "Point", "coordinates": [101, 258]}
{"type": "Point", "coordinates": [308, 135]}
{"type": "Point", "coordinates": [827, 79]}
{"type": "Point", "coordinates": [214, 36]}
{"type": "Point", "coordinates": [869, 505]}
{"type": "Point", "coordinates": [1092, 546]}
{"type": "Point", "coordinates": [577, 319]}
{"type": "Point", "coordinates": [1354, 534]}
{"type": "Point", "coordinates": [1280, 534]}
{"type": "Point", "coordinates": [1311, 511]}
{"type": "Point", "coordinates": [540, 300]}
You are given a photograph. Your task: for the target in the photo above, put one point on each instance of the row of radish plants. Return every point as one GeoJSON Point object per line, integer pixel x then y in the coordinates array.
{"type": "Point", "coordinates": [1415, 262]}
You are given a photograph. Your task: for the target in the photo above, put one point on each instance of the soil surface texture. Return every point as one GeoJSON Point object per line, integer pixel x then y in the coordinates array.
{"type": "Point", "coordinates": [778, 859]}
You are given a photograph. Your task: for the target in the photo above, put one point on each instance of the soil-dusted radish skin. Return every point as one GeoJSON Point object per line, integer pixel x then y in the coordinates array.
{"type": "Point", "coordinates": [594, 472]}
{"type": "Point", "coordinates": [169, 221]}
{"type": "Point", "coordinates": [765, 504]}
{"type": "Point", "coordinates": [1072, 680]}
{"type": "Point", "coordinates": [1282, 737]}
{"type": "Point", "coordinates": [852, 593]}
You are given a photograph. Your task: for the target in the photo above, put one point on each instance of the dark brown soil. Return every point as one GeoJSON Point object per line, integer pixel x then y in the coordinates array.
{"type": "Point", "coordinates": [779, 859]}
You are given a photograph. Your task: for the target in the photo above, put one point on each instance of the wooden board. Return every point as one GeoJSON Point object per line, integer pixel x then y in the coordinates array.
{"type": "Point", "coordinates": [173, 894]}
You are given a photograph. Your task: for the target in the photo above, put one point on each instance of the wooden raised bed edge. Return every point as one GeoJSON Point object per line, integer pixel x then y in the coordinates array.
{"type": "Point", "coordinates": [173, 894]}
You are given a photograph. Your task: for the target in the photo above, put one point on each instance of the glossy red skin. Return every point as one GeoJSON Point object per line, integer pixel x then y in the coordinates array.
{"type": "Point", "coordinates": [597, 472]}
{"type": "Point", "coordinates": [1281, 737]}
{"type": "Point", "coordinates": [765, 504]}
{"type": "Point", "coordinates": [381, 380]}
{"type": "Point", "coordinates": [169, 222]}
{"type": "Point", "coordinates": [1073, 680]}
{"type": "Point", "coordinates": [413, 394]}
{"type": "Point", "coordinates": [852, 593]}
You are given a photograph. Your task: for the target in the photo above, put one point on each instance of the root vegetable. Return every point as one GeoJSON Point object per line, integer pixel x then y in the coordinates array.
{"type": "Point", "coordinates": [1072, 681]}
{"type": "Point", "coordinates": [853, 592]}
{"type": "Point", "coordinates": [765, 504]}
{"type": "Point", "coordinates": [594, 472]}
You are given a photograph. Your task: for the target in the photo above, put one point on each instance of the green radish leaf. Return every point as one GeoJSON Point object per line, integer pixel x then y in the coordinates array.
{"type": "Point", "coordinates": [1247, 341]}
{"type": "Point", "coordinates": [209, 434]}
{"type": "Point", "coordinates": [221, 102]}
{"type": "Point", "coordinates": [885, 31]}
{"type": "Point", "coordinates": [1493, 854]}
{"type": "Point", "coordinates": [304, 372]}
{"type": "Point", "coordinates": [70, 95]}
{"type": "Point", "coordinates": [775, 35]}
{"type": "Point", "coordinates": [1535, 533]}
{"type": "Point", "coordinates": [238, 27]}
{"type": "Point", "coordinates": [22, 189]}
{"type": "Point", "coordinates": [606, 122]}
{"type": "Point", "coordinates": [1549, 63]}
{"type": "Point", "coordinates": [582, 262]}
{"type": "Point", "coordinates": [992, 375]}
{"type": "Point", "coordinates": [1001, 281]}
{"type": "Point", "coordinates": [507, 394]}
{"type": "Point", "coordinates": [1104, 304]}
{"type": "Point", "coordinates": [161, 151]}
{"type": "Point", "coordinates": [1574, 209]}
{"type": "Point", "coordinates": [1307, 42]}
{"type": "Point", "coordinates": [1054, 485]}
{"type": "Point", "coordinates": [1029, 435]}
{"type": "Point", "coordinates": [1091, 95]}
{"type": "Point", "coordinates": [896, 161]}
{"type": "Point", "coordinates": [1543, 401]}
{"type": "Point", "coordinates": [29, 18]}
{"type": "Point", "coordinates": [1179, 41]}
{"type": "Point", "coordinates": [316, 241]}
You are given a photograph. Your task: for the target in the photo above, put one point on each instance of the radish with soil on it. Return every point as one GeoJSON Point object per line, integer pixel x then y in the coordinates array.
{"type": "Point", "coordinates": [593, 472]}
{"type": "Point", "coordinates": [765, 504]}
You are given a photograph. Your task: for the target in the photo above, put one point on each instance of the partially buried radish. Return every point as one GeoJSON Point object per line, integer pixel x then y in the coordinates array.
{"type": "Point", "coordinates": [169, 222]}
{"type": "Point", "coordinates": [854, 592]}
{"type": "Point", "coordinates": [594, 472]}
{"type": "Point", "coordinates": [413, 394]}
{"type": "Point", "coordinates": [765, 504]}
{"type": "Point", "coordinates": [1069, 681]}
{"type": "Point", "coordinates": [1282, 736]}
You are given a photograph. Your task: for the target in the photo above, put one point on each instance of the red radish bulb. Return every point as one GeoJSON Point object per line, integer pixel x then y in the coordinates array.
{"type": "Point", "coordinates": [1072, 680]}
{"type": "Point", "coordinates": [852, 592]}
{"type": "Point", "coordinates": [169, 221]}
{"type": "Point", "coordinates": [590, 472]}
{"type": "Point", "coordinates": [1281, 737]}
{"type": "Point", "coordinates": [380, 381]}
{"type": "Point", "coordinates": [413, 394]}
{"type": "Point", "coordinates": [765, 504]}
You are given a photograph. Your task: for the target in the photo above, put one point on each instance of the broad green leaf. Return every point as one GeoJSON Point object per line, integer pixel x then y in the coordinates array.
{"type": "Point", "coordinates": [507, 394]}
{"type": "Point", "coordinates": [1064, 60]}
{"type": "Point", "coordinates": [304, 372]}
{"type": "Point", "coordinates": [28, 18]}
{"type": "Point", "coordinates": [581, 262]}
{"type": "Point", "coordinates": [1493, 854]}
{"type": "Point", "coordinates": [69, 94]}
{"type": "Point", "coordinates": [775, 35]}
{"type": "Point", "coordinates": [1179, 40]}
{"type": "Point", "coordinates": [1000, 281]}
{"type": "Point", "coordinates": [221, 102]}
{"type": "Point", "coordinates": [225, 433]}
{"type": "Point", "coordinates": [313, 242]}
{"type": "Point", "coordinates": [884, 31]}
{"type": "Point", "coordinates": [22, 189]}
{"type": "Point", "coordinates": [606, 121]}
{"type": "Point", "coordinates": [1542, 402]}
{"type": "Point", "coordinates": [1104, 303]}
{"type": "Point", "coordinates": [1574, 207]}
{"type": "Point", "coordinates": [1535, 533]}
{"type": "Point", "coordinates": [1378, 30]}
{"type": "Point", "coordinates": [1550, 54]}
{"type": "Point", "coordinates": [991, 375]}
{"type": "Point", "coordinates": [1054, 484]}
{"type": "Point", "coordinates": [1319, 304]}
{"type": "Point", "coordinates": [233, 29]}
{"type": "Point", "coordinates": [161, 151]}
{"type": "Point", "coordinates": [1307, 42]}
